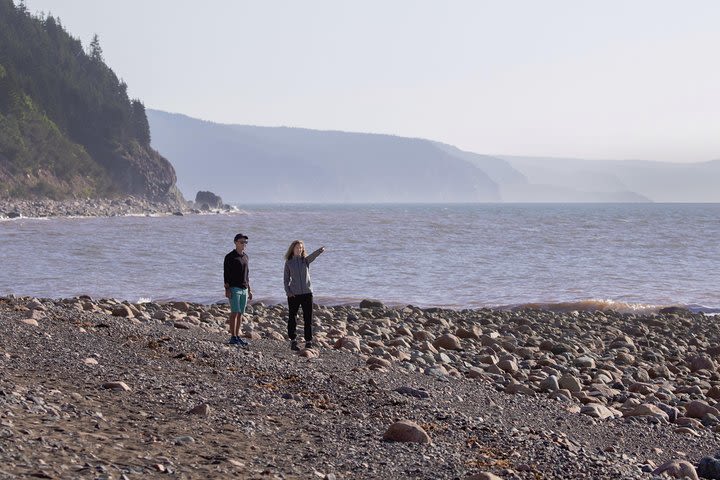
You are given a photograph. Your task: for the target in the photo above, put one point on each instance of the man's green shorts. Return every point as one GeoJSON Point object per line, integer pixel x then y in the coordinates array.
{"type": "Point", "coordinates": [238, 299]}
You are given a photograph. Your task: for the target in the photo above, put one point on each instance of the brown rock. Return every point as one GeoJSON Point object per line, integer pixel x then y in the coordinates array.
{"type": "Point", "coordinates": [448, 342]}
{"type": "Point", "coordinates": [348, 343]}
{"type": "Point", "coordinates": [276, 336]}
{"type": "Point", "coordinates": [182, 306]}
{"type": "Point", "coordinates": [677, 469]}
{"type": "Point", "coordinates": [252, 335]}
{"type": "Point", "coordinates": [698, 409]}
{"type": "Point", "coordinates": [203, 410]}
{"type": "Point", "coordinates": [642, 388]}
{"type": "Point", "coordinates": [475, 372]}
{"type": "Point", "coordinates": [406, 431]}
{"type": "Point", "coordinates": [624, 358]}
{"type": "Point", "coordinates": [379, 362]}
{"type": "Point", "coordinates": [646, 409]}
{"type": "Point", "coordinates": [713, 393]}
{"type": "Point", "coordinates": [404, 331]}
{"type": "Point", "coordinates": [398, 342]}
{"type": "Point", "coordinates": [701, 362]}
{"type": "Point", "coordinates": [508, 364]}
{"type": "Point", "coordinates": [584, 362]}
{"type": "Point", "coordinates": [35, 314]}
{"type": "Point", "coordinates": [597, 411]}
{"type": "Point", "coordinates": [569, 382]}
{"type": "Point", "coordinates": [519, 388]}
{"type": "Point", "coordinates": [122, 311]}
{"type": "Point", "coordinates": [483, 476]}
{"type": "Point", "coordinates": [308, 353]}
{"type": "Point", "coordinates": [689, 422]}
{"type": "Point", "coordinates": [423, 335]}
{"type": "Point", "coordinates": [473, 332]}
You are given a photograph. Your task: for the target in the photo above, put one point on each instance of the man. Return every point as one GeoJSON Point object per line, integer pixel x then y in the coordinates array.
{"type": "Point", "coordinates": [237, 287]}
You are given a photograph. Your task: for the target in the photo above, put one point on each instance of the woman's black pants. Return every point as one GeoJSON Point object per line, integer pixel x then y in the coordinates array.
{"type": "Point", "coordinates": [294, 303]}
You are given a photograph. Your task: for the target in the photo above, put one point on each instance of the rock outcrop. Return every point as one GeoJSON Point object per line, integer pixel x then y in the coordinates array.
{"type": "Point", "coordinates": [205, 200]}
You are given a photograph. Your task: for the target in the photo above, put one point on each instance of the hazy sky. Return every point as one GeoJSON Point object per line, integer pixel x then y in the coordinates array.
{"type": "Point", "coordinates": [595, 79]}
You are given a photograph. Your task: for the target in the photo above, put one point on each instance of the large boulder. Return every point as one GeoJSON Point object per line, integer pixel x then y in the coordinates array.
{"type": "Point", "coordinates": [206, 200]}
{"type": "Point", "coordinates": [448, 342]}
{"type": "Point", "coordinates": [677, 469]}
{"type": "Point", "coordinates": [709, 467]}
{"type": "Point", "coordinates": [367, 303]}
{"type": "Point", "coordinates": [406, 431]}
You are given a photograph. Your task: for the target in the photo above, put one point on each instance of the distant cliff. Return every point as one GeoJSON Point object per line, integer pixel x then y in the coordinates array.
{"type": "Point", "coordinates": [264, 164]}
{"type": "Point", "coordinates": [640, 179]}
{"type": "Point", "coordinates": [67, 126]}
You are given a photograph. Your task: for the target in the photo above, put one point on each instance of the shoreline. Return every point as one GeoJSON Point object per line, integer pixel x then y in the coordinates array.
{"type": "Point", "coordinates": [565, 307]}
{"type": "Point", "coordinates": [568, 307]}
{"type": "Point", "coordinates": [11, 209]}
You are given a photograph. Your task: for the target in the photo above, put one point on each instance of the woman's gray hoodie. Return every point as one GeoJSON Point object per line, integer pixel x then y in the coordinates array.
{"type": "Point", "coordinates": [297, 274]}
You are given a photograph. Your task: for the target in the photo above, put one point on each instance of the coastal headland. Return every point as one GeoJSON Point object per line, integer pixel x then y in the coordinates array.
{"type": "Point", "coordinates": [99, 388]}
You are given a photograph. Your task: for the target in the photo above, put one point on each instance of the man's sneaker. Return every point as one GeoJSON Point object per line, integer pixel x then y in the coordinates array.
{"type": "Point", "coordinates": [242, 343]}
{"type": "Point", "coordinates": [294, 345]}
{"type": "Point", "coordinates": [308, 345]}
{"type": "Point", "coordinates": [233, 340]}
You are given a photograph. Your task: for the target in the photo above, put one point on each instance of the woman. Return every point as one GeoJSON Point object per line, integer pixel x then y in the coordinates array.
{"type": "Point", "coordinates": [299, 289]}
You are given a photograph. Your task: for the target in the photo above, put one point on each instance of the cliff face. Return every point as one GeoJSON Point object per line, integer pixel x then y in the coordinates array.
{"type": "Point", "coordinates": [262, 164]}
{"type": "Point", "coordinates": [142, 171]}
{"type": "Point", "coordinates": [67, 126]}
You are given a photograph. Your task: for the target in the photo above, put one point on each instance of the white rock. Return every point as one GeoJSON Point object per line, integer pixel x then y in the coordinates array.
{"type": "Point", "coordinates": [116, 386]}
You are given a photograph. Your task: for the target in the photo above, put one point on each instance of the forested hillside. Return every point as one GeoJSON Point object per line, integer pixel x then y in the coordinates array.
{"type": "Point", "coordinates": [67, 125]}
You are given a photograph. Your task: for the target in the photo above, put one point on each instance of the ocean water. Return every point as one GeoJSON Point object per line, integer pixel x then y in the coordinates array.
{"type": "Point", "coordinates": [561, 256]}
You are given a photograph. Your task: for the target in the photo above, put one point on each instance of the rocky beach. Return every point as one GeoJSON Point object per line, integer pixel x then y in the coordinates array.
{"type": "Point", "coordinates": [103, 207]}
{"type": "Point", "coordinates": [98, 388]}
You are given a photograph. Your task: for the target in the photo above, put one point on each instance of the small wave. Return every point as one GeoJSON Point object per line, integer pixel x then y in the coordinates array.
{"type": "Point", "coordinates": [591, 305]}
{"type": "Point", "coordinates": [695, 308]}
{"type": "Point", "coordinates": [153, 215]}
{"type": "Point", "coordinates": [234, 209]}
{"type": "Point", "coordinates": [21, 217]}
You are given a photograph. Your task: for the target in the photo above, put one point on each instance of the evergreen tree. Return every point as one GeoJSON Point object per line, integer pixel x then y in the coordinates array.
{"type": "Point", "coordinates": [141, 127]}
{"type": "Point", "coordinates": [96, 49]}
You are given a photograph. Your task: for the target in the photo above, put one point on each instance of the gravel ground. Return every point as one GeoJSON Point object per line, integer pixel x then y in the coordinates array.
{"type": "Point", "coordinates": [103, 389]}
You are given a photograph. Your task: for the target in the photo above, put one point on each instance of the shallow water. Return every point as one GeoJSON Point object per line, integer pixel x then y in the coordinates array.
{"type": "Point", "coordinates": [574, 256]}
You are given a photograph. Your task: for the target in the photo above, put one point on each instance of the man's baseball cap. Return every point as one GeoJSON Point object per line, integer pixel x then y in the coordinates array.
{"type": "Point", "coordinates": [239, 236]}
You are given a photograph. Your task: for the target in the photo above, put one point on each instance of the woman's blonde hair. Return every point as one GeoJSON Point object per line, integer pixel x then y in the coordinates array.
{"type": "Point", "coordinates": [290, 251]}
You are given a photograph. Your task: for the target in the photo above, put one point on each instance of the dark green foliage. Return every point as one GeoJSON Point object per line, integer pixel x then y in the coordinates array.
{"type": "Point", "coordinates": [95, 49]}
{"type": "Point", "coordinates": [62, 110]}
{"type": "Point", "coordinates": [141, 127]}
